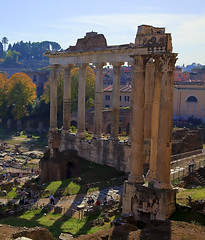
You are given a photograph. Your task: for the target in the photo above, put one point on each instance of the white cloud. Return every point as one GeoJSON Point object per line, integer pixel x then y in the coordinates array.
{"type": "Point", "coordinates": [188, 30]}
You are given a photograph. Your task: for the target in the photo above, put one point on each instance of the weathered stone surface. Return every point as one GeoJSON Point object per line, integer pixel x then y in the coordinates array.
{"type": "Point", "coordinates": [65, 236]}
{"type": "Point", "coordinates": [36, 233]}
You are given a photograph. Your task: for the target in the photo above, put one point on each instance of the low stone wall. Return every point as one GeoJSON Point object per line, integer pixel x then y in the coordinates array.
{"type": "Point", "coordinates": [107, 152]}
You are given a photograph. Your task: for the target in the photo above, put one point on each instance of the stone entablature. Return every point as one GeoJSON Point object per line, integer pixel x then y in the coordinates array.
{"type": "Point", "coordinates": [151, 41]}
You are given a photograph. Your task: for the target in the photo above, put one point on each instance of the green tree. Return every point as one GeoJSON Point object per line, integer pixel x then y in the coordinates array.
{"type": "Point", "coordinates": [21, 93]}
{"type": "Point", "coordinates": [11, 58]}
{"type": "Point", "coordinates": [1, 50]}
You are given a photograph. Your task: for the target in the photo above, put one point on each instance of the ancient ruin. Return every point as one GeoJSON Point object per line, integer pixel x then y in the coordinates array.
{"type": "Point", "coordinates": [153, 66]}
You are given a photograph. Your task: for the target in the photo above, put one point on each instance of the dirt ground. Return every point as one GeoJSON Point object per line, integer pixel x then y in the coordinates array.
{"type": "Point", "coordinates": [169, 230]}
{"type": "Point", "coordinates": [10, 233]}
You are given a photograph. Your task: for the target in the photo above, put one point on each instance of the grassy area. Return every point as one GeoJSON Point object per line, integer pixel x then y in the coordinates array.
{"type": "Point", "coordinates": [56, 223]}
{"type": "Point", "coordinates": [195, 193]}
{"type": "Point", "coordinates": [7, 135]}
{"type": "Point", "coordinates": [75, 186]}
{"type": "Point", "coordinates": [12, 194]}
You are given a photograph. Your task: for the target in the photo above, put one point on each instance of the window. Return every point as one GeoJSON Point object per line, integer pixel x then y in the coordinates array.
{"type": "Point", "coordinates": [107, 97]}
{"type": "Point", "coordinates": [192, 99]}
{"type": "Point", "coordinates": [127, 98]}
{"type": "Point", "coordinates": [107, 106]}
{"type": "Point", "coordinates": [120, 98]}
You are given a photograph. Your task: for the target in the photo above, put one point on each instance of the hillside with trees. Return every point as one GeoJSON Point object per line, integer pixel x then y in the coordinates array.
{"type": "Point", "coordinates": [25, 54]}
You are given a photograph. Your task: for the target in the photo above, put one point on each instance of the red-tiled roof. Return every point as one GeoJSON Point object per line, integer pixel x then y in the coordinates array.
{"type": "Point", "coordinates": [123, 88]}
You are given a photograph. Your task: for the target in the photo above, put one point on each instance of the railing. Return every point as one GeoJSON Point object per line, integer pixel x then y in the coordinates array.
{"type": "Point", "coordinates": [184, 161]}
{"type": "Point", "coordinates": [186, 154]}
{"type": "Point", "coordinates": [179, 173]}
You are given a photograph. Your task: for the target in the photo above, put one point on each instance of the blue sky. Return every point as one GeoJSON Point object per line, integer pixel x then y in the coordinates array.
{"type": "Point", "coordinates": [64, 21]}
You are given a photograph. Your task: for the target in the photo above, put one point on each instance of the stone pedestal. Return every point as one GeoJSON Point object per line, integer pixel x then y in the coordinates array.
{"type": "Point", "coordinates": [148, 203]}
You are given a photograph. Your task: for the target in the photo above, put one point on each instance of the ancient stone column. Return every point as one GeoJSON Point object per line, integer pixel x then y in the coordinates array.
{"type": "Point", "coordinates": [53, 97]}
{"type": "Point", "coordinates": [67, 98]}
{"type": "Point", "coordinates": [155, 119]}
{"type": "Point", "coordinates": [165, 124]}
{"type": "Point", "coordinates": [115, 101]}
{"type": "Point", "coordinates": [149, 92]}
{"type": "Point", "coordinates": [98, 101]}
{"type": "Point", "coordinates": [81, 100]}
{"type": "Point", "coordinates": [137, 130]}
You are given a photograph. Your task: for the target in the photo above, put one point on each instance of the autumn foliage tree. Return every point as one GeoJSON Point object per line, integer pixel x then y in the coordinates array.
{"type": "Point", "coordinates": [3, 93]}
{"type": "Point", "coordinates": [19, 91]}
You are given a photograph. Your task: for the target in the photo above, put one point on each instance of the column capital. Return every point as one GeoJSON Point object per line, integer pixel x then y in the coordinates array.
{"type": "Point", "coordinates": [159, 62]}
{"type": "Point", "coordinates": [140, 62]}
{"type": "Point", "coordinates": [150, 62]}
{"type": "Point", "coordinates": [171, 60]}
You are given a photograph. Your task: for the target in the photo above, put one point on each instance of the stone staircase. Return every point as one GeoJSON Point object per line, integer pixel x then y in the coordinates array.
{"type": "Point", "coordinates": [200, 178]}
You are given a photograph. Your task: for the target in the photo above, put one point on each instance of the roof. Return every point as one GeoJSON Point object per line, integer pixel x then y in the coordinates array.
{"type": "Point", "coordinates": [123, 88]}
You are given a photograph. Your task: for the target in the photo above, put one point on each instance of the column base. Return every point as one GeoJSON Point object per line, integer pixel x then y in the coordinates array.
{"type": "Point", "coordinates": [148, 203]}
{"type": "Point", "coordinates": [81, 135]}
{"type": "Point", "coordinates": [114, 138]}
{"type": "Point", "coordinates": [150, 177]}
{"type": "Point", "coordinates": [97, 136]}
{"type": "Point", "coordinates": [52, 129]}
{"type": "Point", "coordinates": [161, 185]}
{"type": "Point", "coordinates": [136, 179]}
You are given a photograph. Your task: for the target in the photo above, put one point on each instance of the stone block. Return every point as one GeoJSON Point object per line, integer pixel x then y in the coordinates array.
{"type": "Point", "coordinates": [148, 203]}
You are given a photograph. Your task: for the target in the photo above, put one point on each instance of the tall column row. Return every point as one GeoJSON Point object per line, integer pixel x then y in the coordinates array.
{"type": "Point", "coordinates": [81, 100]}
{"type": "Point", "coordinates": [159, 123]}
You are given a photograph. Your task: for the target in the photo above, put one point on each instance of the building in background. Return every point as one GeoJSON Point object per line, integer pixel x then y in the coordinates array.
{"type": "Point", "coordinates": [125, 96]}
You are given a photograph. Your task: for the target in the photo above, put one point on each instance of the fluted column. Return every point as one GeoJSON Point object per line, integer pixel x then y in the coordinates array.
{"type": "Point", "coordinates": [137, 132]}
{"type": "Point", "coordinates": [165, 123]}
{"type": "Point", "coordinates": [151, 177]}
{"type": "Point", "coordinates": [81, 100]}
{"type": "Point", "coordinates": [115, 101]}
{"type": "Point", "coordinates": [53, 97]}
{"type": "Point", "coordinates": [98, 101]}
{"type": "Point", "coordinates": [67, 98]}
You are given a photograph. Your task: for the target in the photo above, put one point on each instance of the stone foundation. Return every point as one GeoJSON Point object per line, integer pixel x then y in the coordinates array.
{"type": "Point", "coordinates": [148, 203]}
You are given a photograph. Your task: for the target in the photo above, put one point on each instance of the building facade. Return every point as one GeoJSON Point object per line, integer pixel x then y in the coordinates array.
{"type": "Point", "coordinates": [189, 102]}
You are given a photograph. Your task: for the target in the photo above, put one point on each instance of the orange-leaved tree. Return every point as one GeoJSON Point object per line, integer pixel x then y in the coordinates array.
{"type": "Point", "coordinates": [4, 86]}
{"type": "Point", "coordinates": [22, 91]}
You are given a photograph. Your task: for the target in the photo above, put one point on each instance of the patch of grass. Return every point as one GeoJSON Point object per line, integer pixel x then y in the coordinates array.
{"type": "Point", "coordinates": [175, 182]}
{"type": "Point", "coordinates": [12, 194]}
{"type": "Point", "coordinates": [55, 223]}
{"type": "Point", "coordinates": [28, 215]}
{"type": "Point", "coordinates": [195, 193]}
{"type": "Point", "coordinates": [72, 188]}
